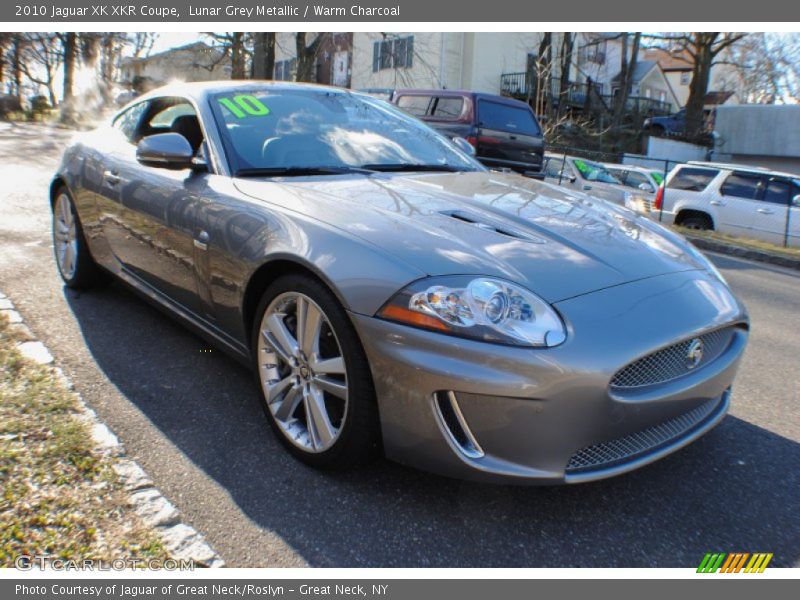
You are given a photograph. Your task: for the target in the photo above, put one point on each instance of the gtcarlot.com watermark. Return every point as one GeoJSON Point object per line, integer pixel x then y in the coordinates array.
{"type": "Point", "coordinates": [28, 563]}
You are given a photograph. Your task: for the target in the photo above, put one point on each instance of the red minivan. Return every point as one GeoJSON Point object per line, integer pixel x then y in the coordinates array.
{"type": "Point", "coordinates": [504, 131]}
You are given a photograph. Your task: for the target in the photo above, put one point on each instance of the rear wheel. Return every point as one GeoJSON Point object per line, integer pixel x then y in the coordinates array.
{"type": "Point", "coordinates": [314, 376]}
{"type": "Point", "coordinates": [75, 264]}
{"type": "Point", "coordinates": [697, 222]}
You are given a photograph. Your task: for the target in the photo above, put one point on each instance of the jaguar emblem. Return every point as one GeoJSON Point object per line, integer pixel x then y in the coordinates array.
{"type": "Point", "coordinates": [694, 354]}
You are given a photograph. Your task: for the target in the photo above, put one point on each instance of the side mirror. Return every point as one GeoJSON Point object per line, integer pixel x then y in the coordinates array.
{"type": "Point", "coordinates": [167, 151]}
{"type": "Point", "coordinates": [567, 177]}
{"type": "Point", "coordinates": [463, 145]}
{"type": "Point", "coordinates": [796, 201]}
{"type": "Point", "coordinates": [645, 187]}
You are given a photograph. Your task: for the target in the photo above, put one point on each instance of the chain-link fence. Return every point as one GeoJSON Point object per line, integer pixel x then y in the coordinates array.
{"type": "Point", "coordinates": [775, 219]}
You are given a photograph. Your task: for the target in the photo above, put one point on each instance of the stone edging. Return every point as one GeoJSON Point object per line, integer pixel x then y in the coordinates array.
{"type": "Point", "coordinates": [742, 252]}
{"type": "Point", "coordinates": [181, 541]}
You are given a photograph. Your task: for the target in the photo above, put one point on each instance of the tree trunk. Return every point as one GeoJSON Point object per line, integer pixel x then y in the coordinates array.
{"type": "Point", "coordinates": [237, 55]}
{"type": "Point", "coordinates": [698, 88]}
{"type": "Point", "coordinates": [307, 56]}
{"type": "Point", "coordinates": [567, 46]}
{"type": "Point", "coordinates": [16, 66]}
{"type": "Point", "coordinates": [68, 97]}
{"type": "Point", "coordinates": [627, 69]}
{"type": "Point", "coordinates": [544, 64]}
{"type": "Point", "coordinates": [264, 56]}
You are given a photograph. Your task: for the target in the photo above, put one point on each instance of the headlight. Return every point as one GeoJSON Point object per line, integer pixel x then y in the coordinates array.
{"type": "Point", "coordinates": [481, 308]}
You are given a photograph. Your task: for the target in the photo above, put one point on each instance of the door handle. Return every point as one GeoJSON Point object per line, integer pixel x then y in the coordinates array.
{"type": "Point", "coordinates": [201, 241]}
{"type": "Point", "coordinates": [111, 177]}
{"type": "Point", "coordinates": [765, 211]}
{"type": "Point", "coordinates": [717, 203]}
{"type": "Point", "coordinates": [587, 187]}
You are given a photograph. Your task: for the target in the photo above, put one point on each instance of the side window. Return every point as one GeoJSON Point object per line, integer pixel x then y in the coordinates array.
{"type": "Point", "coordinates": [553, 167]}
{"type": "Point", "coordinates": [692, 179]}
{"type": "Point", "coordinates": [620, 174]}
{"type": "Point", "coordinates": [419, 106]}
{"type": "Point", "coordinates": [448, 108]}
{"type": "Point", "coordinates": [777, 192]}
{"type": "Point", "coordinates": [165, 118]}
{"type": "Point", "coordinates": [175, 115]}
{"type": "Point", "coordinates": [742, 185]}
{"type": "Point", "coordinates": [635, 180]}
{"type": "Point", "coordinates": [127, 122]}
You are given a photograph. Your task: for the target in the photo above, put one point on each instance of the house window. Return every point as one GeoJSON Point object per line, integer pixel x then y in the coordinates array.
{"type": "Point", "coordinates": [285, 69]}
{"type": "Point", "coordinates": [393, 53]}
{"type": "Point", "coordinates": [685, 77]}
{"type": "Point", "coordinates": [595, 53]}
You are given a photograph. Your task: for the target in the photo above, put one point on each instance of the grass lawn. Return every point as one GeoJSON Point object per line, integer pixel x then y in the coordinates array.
{"type": "Point", "coordinates": [59, 496]}
{"type": "Point", "coordinates": [790, 252]}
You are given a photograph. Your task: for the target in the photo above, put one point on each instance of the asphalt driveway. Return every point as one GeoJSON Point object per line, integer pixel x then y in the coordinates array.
{"type": "Point", "coordinates": [191, 417]}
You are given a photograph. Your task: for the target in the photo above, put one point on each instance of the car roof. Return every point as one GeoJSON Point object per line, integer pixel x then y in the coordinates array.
{"type": "Point", "coordinates": [638, 168]}
{"type": "Point", "coordinates": [745, 168]}
{"type": "Point", "coordinates": [197, 90]}
{"type": "Point", "coordinates": [460, 93]}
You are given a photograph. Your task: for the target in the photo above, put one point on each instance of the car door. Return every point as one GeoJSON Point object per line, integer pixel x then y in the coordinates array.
{"type": "Point", "coordinates": [160, 210]}
{"type": "Point", "coordinates": [738, 201]}
{"type": "Point", "coordinates": [769, 220]}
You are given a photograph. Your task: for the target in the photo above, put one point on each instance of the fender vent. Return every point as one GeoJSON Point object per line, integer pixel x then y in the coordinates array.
{"type": "Point", "coordinates": [456, 426]}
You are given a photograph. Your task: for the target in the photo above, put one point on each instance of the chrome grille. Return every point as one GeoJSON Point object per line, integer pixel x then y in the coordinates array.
{"type": "Point", "coordinates": [625, 449]}
{"type": "Point", "coordinates": [671, 362]}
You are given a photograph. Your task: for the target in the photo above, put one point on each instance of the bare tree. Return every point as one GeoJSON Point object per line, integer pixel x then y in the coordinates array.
{"type": "Point", "coordinates": [704, 50]}
{"type": "Point", "coordinates": [42, 59]}
{"type": "Point", "coordinates": [567, 49]}
{"type": "Point", "coordinates": [234, 46]}
{"type": "Point", "coordinates": [69, 41]}
{"type": "Point", "coordinates": [263, 55]}
{"type": "Point", "coordinates": [307, 55]}
{"type": "Point", "coordinates": [626, 72]}
{"type": "Point", "coordinates": [766, 68]}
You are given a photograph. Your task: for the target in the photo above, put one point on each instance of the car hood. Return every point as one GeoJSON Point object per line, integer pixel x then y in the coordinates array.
{"type": "Point", "coordinates": [556, 242]}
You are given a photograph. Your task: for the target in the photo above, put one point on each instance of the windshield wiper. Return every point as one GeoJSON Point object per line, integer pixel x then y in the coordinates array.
{"type": "Point", "coordinates": [398, 167]}
{"type": "Point", "coordinates": [299, 171]}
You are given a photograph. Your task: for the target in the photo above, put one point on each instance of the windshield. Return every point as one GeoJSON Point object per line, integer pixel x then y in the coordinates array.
{"type": "Point", "coordinates": [306, 131]}
{"type": "Point", "coordinates": [592, 171]}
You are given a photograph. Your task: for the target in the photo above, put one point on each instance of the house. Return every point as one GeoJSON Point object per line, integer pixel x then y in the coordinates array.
{"type": "Point", "coordinates": [332, 64]}
{"type": "Point", "coordinates": [648, 82]}
{"type": "Point", "coordinates": [194, 62]}
{"type": "Point", "coordinates": [678, 66]}
{"type": "Point", "coordinates": [762, 135]}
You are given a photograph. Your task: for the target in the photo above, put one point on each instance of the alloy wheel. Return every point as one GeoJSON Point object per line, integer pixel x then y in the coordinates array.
{"type": "Point", "coordinates": [303, 372]}
{"type": "Point", "coordinates": [65, 237]}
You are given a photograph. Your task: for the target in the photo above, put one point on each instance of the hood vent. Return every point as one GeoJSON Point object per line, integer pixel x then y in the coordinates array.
{"type": "Point", "coordinates": [488, 225]}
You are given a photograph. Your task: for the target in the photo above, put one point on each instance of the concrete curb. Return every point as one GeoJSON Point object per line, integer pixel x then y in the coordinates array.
{"type": "Point", "coordinates": [742, 252]}
{"type": "Point", "coordinates": [182, 541]}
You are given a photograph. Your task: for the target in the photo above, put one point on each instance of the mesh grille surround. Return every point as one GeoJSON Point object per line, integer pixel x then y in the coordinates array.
{"type": "Point", "coordinates": [629, 447]}
{"type": "Point", "coordinates": [672, 362]}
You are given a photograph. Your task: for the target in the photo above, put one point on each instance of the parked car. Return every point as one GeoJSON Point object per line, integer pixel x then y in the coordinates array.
{"type": "Point", "coordinates": [390, 293]}
{"type": "Point", "coordinates": [643, 184]}
{"type": "Point", "coordinates": [586, 176]}
{"type": "Point", "coordinates": [665, 126]}
{"type": "Point", "coordinates": [736, 199]}
{"type": "Point", "coordinates": [504, 132]}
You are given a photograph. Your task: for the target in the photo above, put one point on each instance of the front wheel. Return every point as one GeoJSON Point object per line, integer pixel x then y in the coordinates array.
{"type": "Point", "coordinates": [75, 264]}
{"type": "Point", "coordinates": [314, 376]}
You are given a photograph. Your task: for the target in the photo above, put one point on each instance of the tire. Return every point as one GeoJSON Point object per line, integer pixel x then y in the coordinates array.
{"type": "Point", "coordinates": [301, 382]}
{"type": "Point", "coordinates": [73, 259]}
{"type": "Point", "coordinates": [697, 222]}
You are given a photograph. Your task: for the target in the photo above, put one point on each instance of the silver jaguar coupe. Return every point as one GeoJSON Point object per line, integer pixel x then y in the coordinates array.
{"type": "Point", "coordinates": [393, 295]}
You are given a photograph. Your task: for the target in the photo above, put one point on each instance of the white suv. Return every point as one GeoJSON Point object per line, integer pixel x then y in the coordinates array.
{"type": "Point", "coordinates": [746, 201]}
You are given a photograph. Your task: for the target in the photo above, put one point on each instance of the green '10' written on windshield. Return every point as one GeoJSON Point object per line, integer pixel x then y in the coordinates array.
{"type": "Point", "coordinates": [242, 106]}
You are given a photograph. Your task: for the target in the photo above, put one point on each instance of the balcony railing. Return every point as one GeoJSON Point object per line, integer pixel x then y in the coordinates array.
{"type": "Point", "coordinates": [524, 87]}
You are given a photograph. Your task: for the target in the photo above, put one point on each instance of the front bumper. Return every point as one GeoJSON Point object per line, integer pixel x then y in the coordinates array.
{"type": "Point", "coordinates": [531, 411]}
